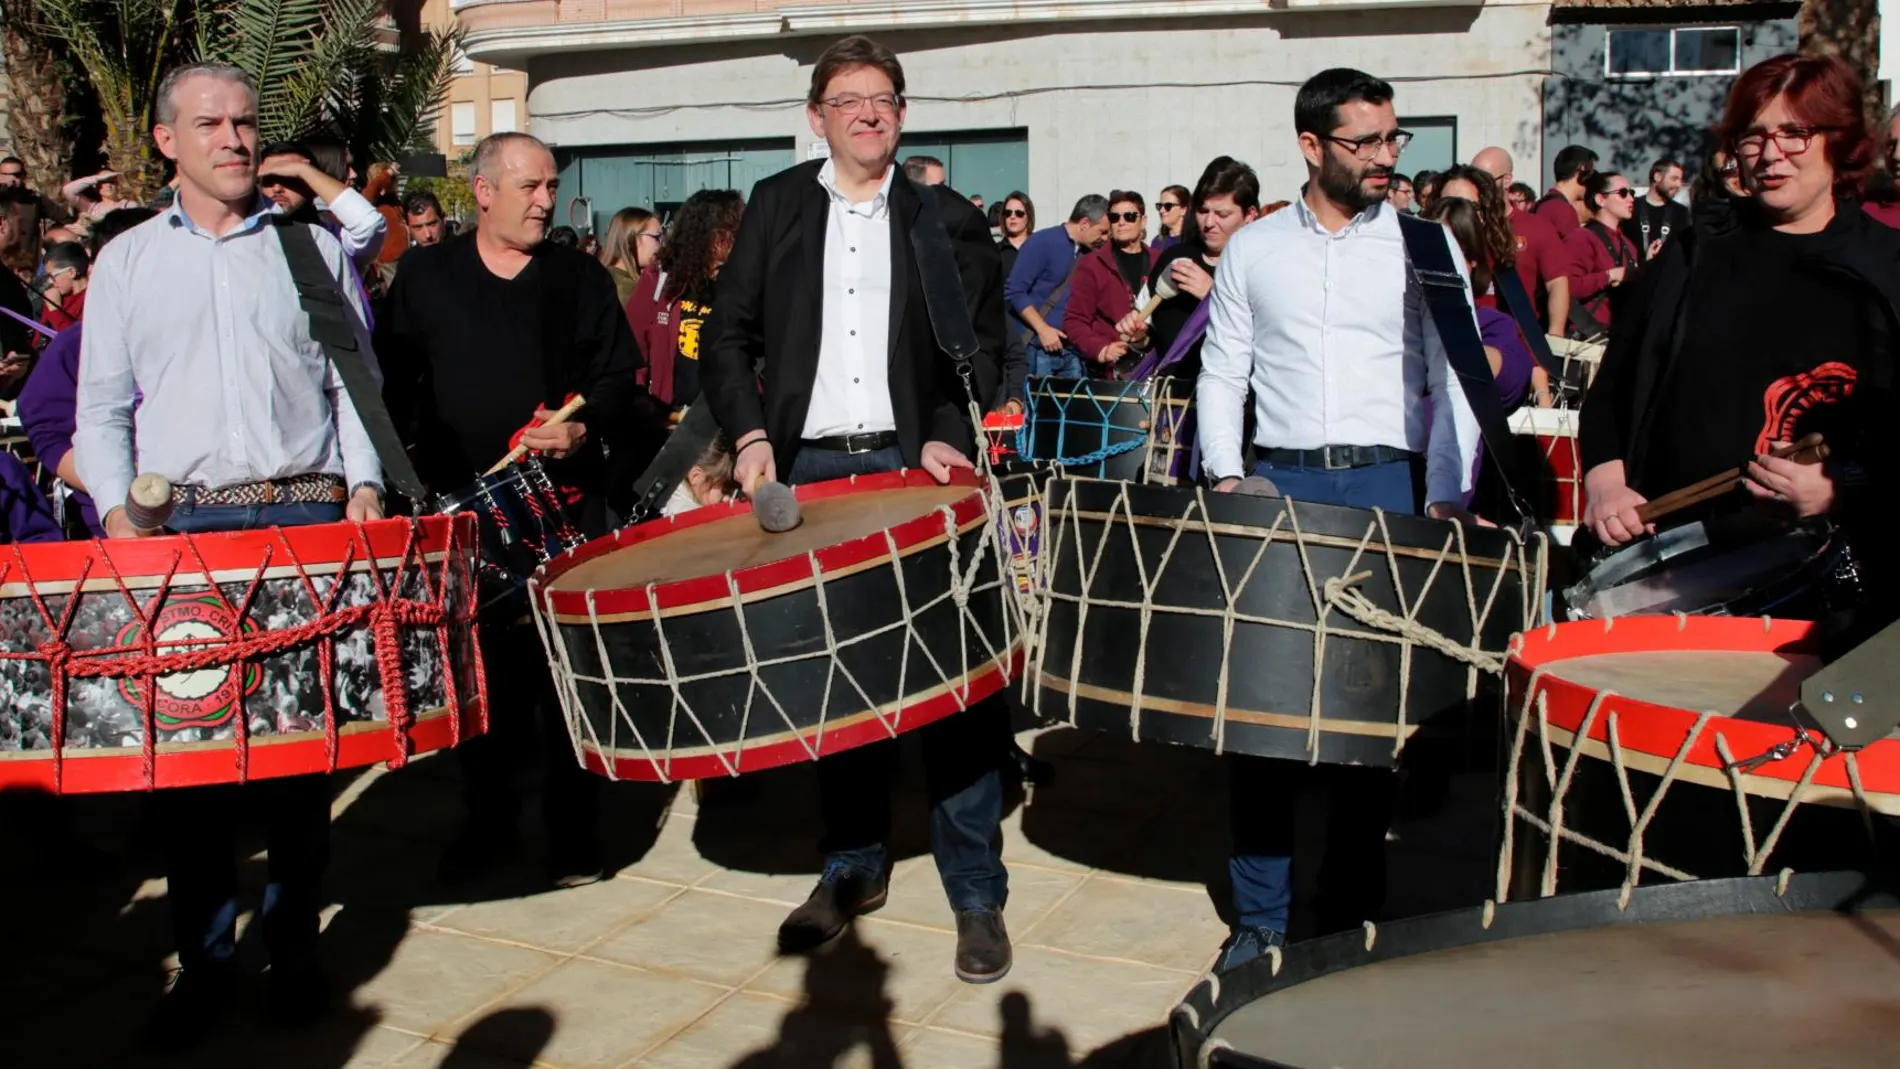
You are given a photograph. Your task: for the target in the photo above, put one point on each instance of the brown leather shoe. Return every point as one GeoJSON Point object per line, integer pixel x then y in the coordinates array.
{"type": "Point", "coordinates": [838, 897]}
{"type": "Point", "coordinates": [983, 953]}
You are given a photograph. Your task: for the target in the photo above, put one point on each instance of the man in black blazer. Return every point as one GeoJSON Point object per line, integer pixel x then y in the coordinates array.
{"type": "Point", "coordinates": [821, 302]}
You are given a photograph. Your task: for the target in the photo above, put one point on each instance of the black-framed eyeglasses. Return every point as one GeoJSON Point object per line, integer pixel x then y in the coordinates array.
{"type": "Point", "coordinates": [1367, 147]}
{"type": "Point", "coordinates": [1016, 213]}
{"type": "Point", "coordinates": [1166, 205]}
{"type": "Point", "coordinates": [852, 103]}
{"type": "Point", "coordinates": [1791, 140]}
{"type": "Point", "coordinates": [1124, 217]}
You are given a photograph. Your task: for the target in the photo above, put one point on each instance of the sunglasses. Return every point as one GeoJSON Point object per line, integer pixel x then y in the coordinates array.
{"type": "Point", "coordinates": [1016, 213]}
{"type": "Point", "coordinates": [1166, 205]}
{"type": "Point", "coordinates": [1625, 192]}
{"type": "Point", "coordinates": [1124, 217]}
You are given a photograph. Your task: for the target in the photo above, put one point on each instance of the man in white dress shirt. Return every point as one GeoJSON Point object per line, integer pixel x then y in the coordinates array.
{"type": "Point", "coordinates": [821, 301]}
{"type": "Point", "coordinates": [1316, 310]}
{"type": "Point", "coordinates": [192, 319]}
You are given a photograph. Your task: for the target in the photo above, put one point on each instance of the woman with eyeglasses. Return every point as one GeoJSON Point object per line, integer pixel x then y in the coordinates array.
{"type": "Point", "coordinates": [1601, 258]}
{"type": "Point", "coordinates": [1110, 282]}
{"type": "Point", "coordinates": [1171, 207]}
{"type": "Point", "coordinates": [633, 240]}
{"type": "Point", "coordinates": [1736, 341]}
{"type": "Point", "coordinates": [1019, 221]}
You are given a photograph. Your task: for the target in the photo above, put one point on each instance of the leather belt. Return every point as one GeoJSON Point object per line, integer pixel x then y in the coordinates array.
{"type": "Point", "coordinates": [313, 489]}
{"type": "Point", "coordinates": [854, 443]}
{"type": "Point", "coordinates": [1337, 457]}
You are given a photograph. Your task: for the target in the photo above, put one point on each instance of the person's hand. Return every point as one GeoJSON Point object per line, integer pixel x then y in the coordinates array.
{"type": "Point", "coordinates": [1133, 330]}
{"type": "Point", "coordinates": [1050, 338]}
{"type": "Point", "coordinates": [365, 504]}
{"type": "Point", "coordinates": [1227, 485]}
{"type": "Point", "coordinates": [1806, 489]}
{"type": "Point", "coordinates": [1654, 248]}
{"type": "Point", "coordinates": [1112, 352]}
{"type": "Point", "coordinates": [941, 458]}
{"type": "Point", "coordinates": [1610, 505]}
{"type": "Point", "coordinates": [754, 464]}
{"type": "Point", "coordinates": [1451, 510]}
{"type": "Point", "coordinates": [13, 370]}
{"type": "Point", "coordinates": [1192, 278]}
{"type": "Point", "coordinates": [1616, 276]}
{"type": "Point", "coordinates": [1012, 407]}
{"type": "Point", "coordinates": [284, 167]}
{"type": "Point", "coordinates": [556, 441]}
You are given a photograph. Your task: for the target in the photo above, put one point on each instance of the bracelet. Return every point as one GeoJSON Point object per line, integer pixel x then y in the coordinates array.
{"type": "Point", "coordinates": [750, 444]}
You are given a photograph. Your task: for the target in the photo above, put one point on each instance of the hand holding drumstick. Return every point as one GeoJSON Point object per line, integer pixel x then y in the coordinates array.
{"type": "Point", "coordinates": [554, 435]}
{"type": "Point", "coordinates": [1797, 479]}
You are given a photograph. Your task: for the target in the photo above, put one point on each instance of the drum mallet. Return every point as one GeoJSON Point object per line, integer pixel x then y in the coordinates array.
{"type": "Point", "coordinates": [148, 505]}
{"type": "Point", "coordinates": [555, 418]}
{"type": "Point", "coordinates": [1165, 289]}
{"type": "Point", "coordinates": [775, 506]}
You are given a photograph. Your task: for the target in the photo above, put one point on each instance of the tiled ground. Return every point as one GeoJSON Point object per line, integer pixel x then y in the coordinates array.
{"type": "Point", "coordinates": [672, 963]}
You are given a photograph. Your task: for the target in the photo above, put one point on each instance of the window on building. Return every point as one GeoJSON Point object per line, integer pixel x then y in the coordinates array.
{"type": "Point", "coordinates": [462, 121]}
{"type": "Point", "coordinates": [1434, 144]}
{"type": "Point", "coordinates": [1681, 50]}
{"type": "Point", "coordinates": [501, 116]}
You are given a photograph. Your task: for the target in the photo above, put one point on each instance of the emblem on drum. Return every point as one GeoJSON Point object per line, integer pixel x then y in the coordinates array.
{"type": "Point", "coordinates": [206, 697]}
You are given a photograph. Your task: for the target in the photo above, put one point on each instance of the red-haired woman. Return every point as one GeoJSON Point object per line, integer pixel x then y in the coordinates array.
{"type": "Point", "coordinates": [1733, 342]}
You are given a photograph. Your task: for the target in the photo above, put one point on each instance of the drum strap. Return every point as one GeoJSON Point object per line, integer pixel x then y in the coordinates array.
{"type": "Point", "coordinates": [1429, 256]}
{"type": "Point", "coordinates": [943, 287]}
{"type": "Point", "coordinates": [682, 450]}
{"type": "Point", "coordinates": [331, 328]}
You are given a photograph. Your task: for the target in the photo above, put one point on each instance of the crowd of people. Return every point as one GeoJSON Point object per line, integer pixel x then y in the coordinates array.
{"type": "Point", "coordinates": [1316, 362]}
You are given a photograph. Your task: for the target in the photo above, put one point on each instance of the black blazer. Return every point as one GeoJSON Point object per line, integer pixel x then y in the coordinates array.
{"type": "Point", "coordinates": [768, 311]}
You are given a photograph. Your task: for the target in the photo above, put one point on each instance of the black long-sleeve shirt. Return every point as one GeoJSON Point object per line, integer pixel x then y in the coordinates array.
{"type": "Point", "coordinates": [467, 356]}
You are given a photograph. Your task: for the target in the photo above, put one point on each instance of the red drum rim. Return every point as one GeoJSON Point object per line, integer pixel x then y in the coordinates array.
{"type": "Point", "coordinates": [236, 556]}
{"type": "Point", "coordinates": [1658, 732]}
{"type": "Point", "coordinates": [712, 590]}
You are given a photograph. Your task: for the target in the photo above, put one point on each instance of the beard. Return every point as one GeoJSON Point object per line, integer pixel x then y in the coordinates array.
{"type": "Point", "coordinates": [1345, 186]}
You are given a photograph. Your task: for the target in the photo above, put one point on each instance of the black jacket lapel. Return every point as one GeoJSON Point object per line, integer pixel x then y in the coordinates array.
{"type": "Point", "coordinates": [903, 215]}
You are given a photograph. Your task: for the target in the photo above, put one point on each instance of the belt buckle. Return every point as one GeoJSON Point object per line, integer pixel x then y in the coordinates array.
{"type": "Point", "coordinates": [851, 448]}
{"type": "Point", "coordinates": [1327, 452]}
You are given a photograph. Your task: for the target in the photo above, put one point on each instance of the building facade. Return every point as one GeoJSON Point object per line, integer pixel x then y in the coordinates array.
{"type": "Point", "coordinates": [483, 98]}
{"type": "Point", "coordinates": [647, 100]}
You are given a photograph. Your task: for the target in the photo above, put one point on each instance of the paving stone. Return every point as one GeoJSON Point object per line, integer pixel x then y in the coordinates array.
{"type": "Point", "coordinates": [750, 1031]}
{"type": "Point", "coordinates": [874, 963]}
{"type": "Point", "coordinates": [436, 978]}
{"type": "Point", "coordinates": [1094, 1002]}
{"type": "Point", "coordinates": [589, 1015]}
{"type": "Point", "coordinates": [715, 938]}
{"type": "Point", "coordinates": [562, 921]}
{"type": "Point", "coordinates": [1147, 922]}
{"type": "Point", "coordinates": [917, 895]}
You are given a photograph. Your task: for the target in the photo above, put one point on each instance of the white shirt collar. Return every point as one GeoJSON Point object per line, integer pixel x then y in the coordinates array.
{"type": "Point", "coordinates": [828, 178]}
{"type": "Point", "coordinates": [1310, 221]}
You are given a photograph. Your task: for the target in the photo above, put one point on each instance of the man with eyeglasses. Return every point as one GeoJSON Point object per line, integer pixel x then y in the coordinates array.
{"type": "Point", "coordinates": [855, 383]}
{"type": "Point", "coordinates": [1038, 286]}
{"type": "Point", "coordinates": [1399, 193]}
{"type": "Point", "coordinates": [66, 267]}
{"type": "Point", "coordinates": [1316, 313]}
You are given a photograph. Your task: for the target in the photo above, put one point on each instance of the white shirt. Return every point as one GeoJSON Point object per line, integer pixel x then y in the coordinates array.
{"type": "Point", "coordinates": [1333, 336]}
{"type": "Point", "coordinates": [360, 227]}
{"type": "Point", "coordinates": [209, 331]}
{"type": "Point", "coordinates": [852, 393]}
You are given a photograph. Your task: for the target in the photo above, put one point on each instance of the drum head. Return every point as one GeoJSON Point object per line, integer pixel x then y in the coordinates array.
{"type": "Point", "coordinates": [1735, 566]}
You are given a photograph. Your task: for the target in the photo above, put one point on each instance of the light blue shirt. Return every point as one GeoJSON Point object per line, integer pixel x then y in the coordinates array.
{"type": "Point", "coordinates": [208, 333]}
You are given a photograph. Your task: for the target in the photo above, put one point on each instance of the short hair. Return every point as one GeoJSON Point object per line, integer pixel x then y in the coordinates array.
{"type": "Point", "coordinates": [68, 254]}
{"type": "Point", "coordinates": [1595, 186]}
{"type": "Point", "coordinates": [419, 201]}
{"type": "Point", "coordinates": [916, 166]}
{"type": "Point", "coordinates": [116, 222]}
{"type": "Point", "coordinates": [1661, 167]}
{"type": "Point", "coordinates": [1316, 107]}
{"type": "Point", "coordinates": [4, 160]}
{"type": "Point", "coordinates": [1127, 196]}
{"type": "Point", "coordinates": [165, 109]}
{"type": "Point", "coordinates": [1522, 189]}
{"type": "Point", "coordinates": [1225, 176]}
{"type": "Point", "coordinates": [287, 148]}
{"type": "Point", "coordinates": [1822, 91]}
{"type": "Point", "coordinates": [849, 53]}
{"type": "Point", "coordinates": [1398, 176]}
{"type": "Point", "coordinates": [1571, 160]}
{"type": "Point", "coordinates": [1093, 207]}
{"type": "Point", "coordinates": [488, 150]}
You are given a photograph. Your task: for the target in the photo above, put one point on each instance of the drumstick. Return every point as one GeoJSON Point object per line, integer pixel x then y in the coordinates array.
{"type": "Point", "coordinates": [148, 505]}
{"type": "Point", "coordinates": [1809, 450]}
{"type": "Point", "coordinates": [559, 416]}
{"type": "Point", "coordinates": [1164, 289]}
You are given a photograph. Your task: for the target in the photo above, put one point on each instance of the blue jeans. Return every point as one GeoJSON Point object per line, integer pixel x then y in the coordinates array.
{"type": "Point", "coordinates": [962, 758]}
{"type": "Point", "coordinates": [198, 825]}
{"type": "Point", "coordinates": [1065, 364]}
{"type": "Point", "coordinates": [1263, 792]}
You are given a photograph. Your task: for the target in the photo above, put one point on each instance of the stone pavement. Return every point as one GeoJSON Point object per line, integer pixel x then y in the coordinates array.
{"type": "Point", "coordinates": [1114, 870]}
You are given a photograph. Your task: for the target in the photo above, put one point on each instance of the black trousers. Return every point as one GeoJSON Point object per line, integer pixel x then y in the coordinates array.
{"type": "Point", "coordinates": [1263, 794]}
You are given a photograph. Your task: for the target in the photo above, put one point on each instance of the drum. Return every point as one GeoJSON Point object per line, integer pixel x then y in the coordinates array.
{"type": "Point", "coordinates": [1670, 747]}
{"type": "Point", "coordinates": [700, 645]}
{"type": "Point", "coordinates": [1725, 974]}
{"type": "Point", "coordinates": [183, 660]}
{"type": "Point", "coordinates": [1267, 626]}
{"type": "Point", "coordinates": [1580, 360]}
{"type": "Point", "coordinates": [523, 524]}
{"type": "Point", "coordinates": [1558, 502]}
{"type": "Point", "coordinates": [1737, 564]}
{"type": "Point", "coordinates": [1105, 429]}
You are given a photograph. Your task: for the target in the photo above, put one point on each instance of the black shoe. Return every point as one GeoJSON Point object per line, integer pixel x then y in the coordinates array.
{"type": "Point", "coordinates": [983, 954]}
{"type": "Point", "coordinates": [197, 1000]}
{"type": "Point", "coordinates": [575, 866]}
{"type": "Point", "coordinates": [299, 995]}
{"type": "Point", "coordinates": [840, 895]}
{"type": "Point", "coordinates": [474, 853]}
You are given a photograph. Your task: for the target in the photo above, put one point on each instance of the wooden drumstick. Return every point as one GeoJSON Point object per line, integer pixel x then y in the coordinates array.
{"type": "Point", "coordinates": [559, 416]}
{"type": "Point", "coordinates": [148, 504]}
{"type": "Point", "coordinates": [1809, 450]}
{"type": "Point", "coordinates": [1164, 289]}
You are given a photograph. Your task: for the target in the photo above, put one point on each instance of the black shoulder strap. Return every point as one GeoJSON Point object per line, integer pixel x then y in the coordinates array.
{"type": "Point", "coordinates": [1514, 299]}
{"type": "Point", "coordinates": [1607, 240]}
{"type": "Point", "coordinates": [943, 286]}
{"type": "Point", "coordinates": [1429, 255]}
{"type": "Point", "coordinates": [330, 327]}
{"type": "Point", "coordinates": [669, 466]}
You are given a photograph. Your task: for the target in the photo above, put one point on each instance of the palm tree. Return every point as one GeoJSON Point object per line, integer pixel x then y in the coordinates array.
{"type": "Point", "coordinates": [124, 47]}
{"type": "Point", "coordinates": [36, 91]}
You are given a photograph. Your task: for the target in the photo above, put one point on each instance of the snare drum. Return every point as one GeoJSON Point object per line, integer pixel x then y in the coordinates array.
{"type": "Point", "coordinates": [194, 659]}
{"type": "Point", "coordinates": [1105, 429]}
{"type": "Point", "coordinates": [523, 523]}
{"type": "Point", "coordinates": [1739, 564]}
{"type": "Point", "coordinates": [1558, 504]}
{"type": "Point", "coordinates": [700, 645]}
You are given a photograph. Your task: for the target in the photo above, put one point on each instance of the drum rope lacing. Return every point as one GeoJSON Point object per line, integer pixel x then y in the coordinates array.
{"type": "Point", "coordinates": [1143, 392]}
{"type": "Point", "coordinates": [385, 617]}
{"type": "Point", "coordinates": [1403, 630]}
{"type": "Point", "coordinates": [1743, 782]}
